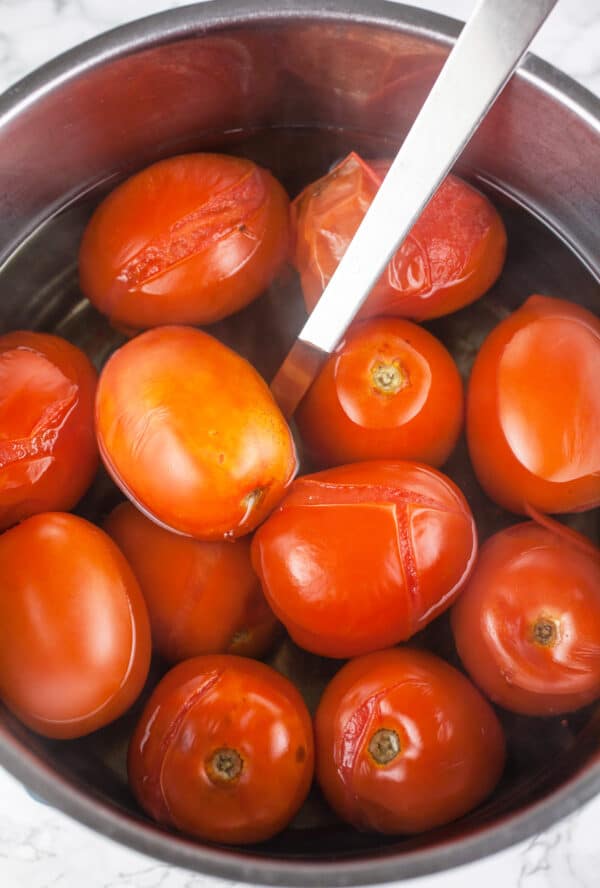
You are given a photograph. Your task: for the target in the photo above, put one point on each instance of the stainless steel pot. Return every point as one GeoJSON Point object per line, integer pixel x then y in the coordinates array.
{"type": "Point", "coordinates": [294, 86]}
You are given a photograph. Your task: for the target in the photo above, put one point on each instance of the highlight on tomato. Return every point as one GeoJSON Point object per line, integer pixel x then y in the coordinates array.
{"type": "Point", "coordinates": [390, 390]}
{"type": "Point", "coordinates": [223, 750]}
{"type": "Point", "coordinates": [74, 631]}
{"type": "Point", "coordinates": [405, 742]}
{"type": "Point", "coordinates": [533, 409]}
{"type": "Point", "coordinates": [191, 433]}
{"type": "Point", "coordinates": [48, 453]}
{"type": "Point", "coordinates": [362, 556]}
{"type": "Point", "coordinates": [527, 626]}
{"type": "Point", "coordinates": [188, 240]}
{"type": "Point", "coordinates": [202, 597]}
{"type": "Point", "coordinates": [452, 256]}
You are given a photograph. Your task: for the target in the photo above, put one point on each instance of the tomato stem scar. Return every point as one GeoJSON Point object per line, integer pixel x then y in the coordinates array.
{"type": "Point", "coordinates": [389, 378]}
{"type": "Point", "coordinates": [384, 746]}
{"type": "Point", "coordinates": [224, 765]}
{"type": "Point", "coordinates": [545, 632]}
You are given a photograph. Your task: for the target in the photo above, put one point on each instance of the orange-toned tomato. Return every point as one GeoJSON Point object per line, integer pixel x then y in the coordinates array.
{"type": "Point", "coordinates": [188, 240]}
{"type": "Point", "coordinates": [74, 631]}
{"type": "Point", "coordinates": [405, 742]}
{"type": "Point", "coordinates": [202, 597]}
{"type": "Point", "coordinates": [527, 626]}
{"type": "Point", "coordinates": [190, 432]}
{"type": "Point", "coordinates": [48, 453]}
{"type": "Point", "coordinates": [391, 390]}
{"type": "Point", "coordinates": [362, 556]}
{"type": "Point", "coordinates": [223, 750]}
{"type": "Point", "coordinates": [533, 409]}
{"type": "Point", "coordinates": [453, 254]}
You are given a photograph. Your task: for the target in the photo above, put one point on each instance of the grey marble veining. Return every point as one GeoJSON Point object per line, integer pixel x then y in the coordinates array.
{"type": "Point", "coordinates": [41, 848]}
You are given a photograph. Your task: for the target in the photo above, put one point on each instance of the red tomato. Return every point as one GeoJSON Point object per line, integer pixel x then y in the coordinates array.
{"type": "Point", "coordinates": [362, 556]}
{"type": "Point", "coordinates": [74, 631]}
{"type": "Point", "coordinates": [189, 240]}
{"type": "Point", "coordinates": [527, 626]}
{"type": "Point", "coordinates": [224, 750]}
{"type": "Point", "coordinates": [202, 597]}
{"type": "Point", "coordinates": [533, 409]}
{"type": "Point", "coordinates": [405, 742]}
{"type": "Point", "coordinates": [48, 453]}
{"type": "Point", "coordinates": [453, 254]}
{"type": "Point", "coordinates": [190, 432]}
{"type": "Point", "coordinates": [391, 390]}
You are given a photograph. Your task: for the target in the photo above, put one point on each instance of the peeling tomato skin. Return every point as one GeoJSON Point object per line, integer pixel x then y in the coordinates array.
{"type": "Point", "coordinates": [214, 703]}
{"type": "Point", "coordinates": [452, 256]}
{"type": "Point", "coordinates": [451, 748]}
{"type": "Point", "coordinates": [533, 409]}
{"type": "Point", "coordinates": [525, 575]}
{"type": "Point", "coordinates": [48, 452]}
{"type": "Point", "coordinates": [188, 240]}
{"type": "Point", "coordinates": [363, 556]}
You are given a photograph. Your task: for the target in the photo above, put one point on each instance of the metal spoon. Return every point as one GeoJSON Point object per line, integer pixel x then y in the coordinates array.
{"type": "Point", "coordinates": [484, 57]}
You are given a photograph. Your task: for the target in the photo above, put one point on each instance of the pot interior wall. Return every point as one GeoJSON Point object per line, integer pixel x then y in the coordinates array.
{"type": "Point", "coordinates": [296, 97]}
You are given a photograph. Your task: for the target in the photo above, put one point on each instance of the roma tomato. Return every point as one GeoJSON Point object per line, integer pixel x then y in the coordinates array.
{"type": "Point", "coordinates": [527, 626]}
{"type": "Point", "coordinates": [202, 597]}
{"type": "Point", "coordinates": [362, 556]}
{"type": "Point", "coordinates": [533, 409]}
{"type": "Point", "coordinates": [190, 432]}
{"type": "Point", "coordinates": [223, 750]}
{"type": "Point", "coordinates": [391, 390]}
{"type": "Point", "coordinates": [48, 453]}
{"type": "Point", "coordinates": [188, 240]}
{"type": "Point", "coordinates": [74, 631]}
{"type": "Point", "coordinates": [453, 254]}
{"type": "Point", "coordinates": [405, 742]}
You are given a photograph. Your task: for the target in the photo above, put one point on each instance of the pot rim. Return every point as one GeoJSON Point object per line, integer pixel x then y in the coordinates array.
{"type": "Point", "coordinates": [33, 771]}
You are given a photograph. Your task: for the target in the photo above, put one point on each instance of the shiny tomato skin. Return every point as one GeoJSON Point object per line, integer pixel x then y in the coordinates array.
{"type": "Point", "coordinates": [191, 433]}
{"type": "Point", "coordinates": [447, 754]}
{"type": "Point", "coordinates": [74, 630]}
{"type": "Point", "coordinates": [48, 453]}
{"type": "Point", "coordinates": [202, 597]}
{"type": "Point", "coordinates": [188, 240]}
{"type": "Point", "coordinates": [452, 256]}
{"type": "Point", "coordinates": [232, 705]}
{"type": "Point", "coordinates": [390, 391]}
{"type": "Point", "coordinates": [362, 556]}
{"type": "Point", "coordinates": [527, 625]}
{"type": "Point", "coordinates": [533, 409]}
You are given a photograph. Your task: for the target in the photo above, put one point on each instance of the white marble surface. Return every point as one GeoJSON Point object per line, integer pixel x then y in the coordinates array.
{"type": "Point", "coordinates": [40, 848]}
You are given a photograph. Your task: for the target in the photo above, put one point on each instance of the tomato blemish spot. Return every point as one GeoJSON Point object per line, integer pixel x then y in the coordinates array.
{"type": "Point", "coordinates": [545, 632]}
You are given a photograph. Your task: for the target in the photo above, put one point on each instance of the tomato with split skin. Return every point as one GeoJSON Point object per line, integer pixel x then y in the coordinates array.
{"type": "Point", "coordinates": [405, 743]}
{"type": "Point", "coordinates": [191, 433]}
{"type": "Point", "coordinates": [362, 556]}
{"type": "Point", "coordinates": [533, 409]}
{"type": "Point", "coordinates": [223, 750]}
{"type": "Point", "coordinates": [48, 452]}
{"type": "Point", "coordinates": [452, 255]}
{"type": "Point", "coordinates": [527, 626]}
{"type": "Point", "coordinates": [202, 597]}
{"type": "Point", "coordinates": [390, 390]}
{"type": "Point", "coordinates": [188, 240]}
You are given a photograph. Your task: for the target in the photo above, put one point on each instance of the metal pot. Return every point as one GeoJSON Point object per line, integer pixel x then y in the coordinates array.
{"type": "Point", "coordinates": [295, 87]}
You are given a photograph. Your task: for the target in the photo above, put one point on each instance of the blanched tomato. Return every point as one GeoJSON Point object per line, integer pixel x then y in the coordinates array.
{"type": "Point", "coordinates": [223, 750]}
{"type": "Point", "coordinates": [391, 390]}
{"type": "Point", "coordinates": [188, 240]}
{"type": "Point", "coordinates": [362, 556]}
{"type": "Point", "coordinates": [533, 409]}
{"type": "Point", "coordinates": [453, 254]}
{"type": "Point", "coordinates": [202, 597]}
{"type": "Point", "coordinates": [74, 631]}
{"type": "Point", "coordinates": [405, 742]}
{"type": "Point", "coordinates": [527, 626]}
{"type": "Point", "coordinates": [189, 431]}
{"type": "Point", "coordinates": [48, 453]}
